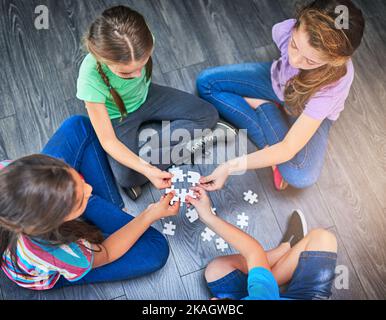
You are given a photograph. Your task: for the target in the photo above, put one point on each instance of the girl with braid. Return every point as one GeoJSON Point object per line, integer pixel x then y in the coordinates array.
{"type": "Point", "coordinates": [115, 84]}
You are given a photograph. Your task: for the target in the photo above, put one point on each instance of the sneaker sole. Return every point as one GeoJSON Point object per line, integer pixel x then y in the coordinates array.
{"type": "Point", "coordinates": [303, 220]}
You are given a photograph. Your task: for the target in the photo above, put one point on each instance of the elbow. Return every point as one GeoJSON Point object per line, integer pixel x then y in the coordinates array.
{"type": "Point", "coordinates": [108, 144]}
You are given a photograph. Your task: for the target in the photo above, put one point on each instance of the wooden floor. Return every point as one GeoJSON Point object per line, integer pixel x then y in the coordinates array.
{"type": "Point", "coordinates": [37, 92]}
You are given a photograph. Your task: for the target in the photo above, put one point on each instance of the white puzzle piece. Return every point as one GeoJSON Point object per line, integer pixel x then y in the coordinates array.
{"type": "Point", "coordinates": [178, 175]}
{"type": "Point", "coordinates": [221, 244]}
{"type": "Point", "coordinates": [207, 234]}
{"type": "Point", "coordinates": [192, 215]}
{"type": "Point", "coordinates": [193, 177]}
{"type": "Point", "coordinates": [169, 228]}
{"type": "Point", "coordinates": [242, 220]}
{"type": "Point", "coordinates": [250, 197]}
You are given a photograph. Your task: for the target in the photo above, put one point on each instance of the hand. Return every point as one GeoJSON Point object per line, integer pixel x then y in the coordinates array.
{"type": "Point", "coordinates": [216, 180]}
{"type": "Point", "coordinates": [201, 203]}
{"type": "Point", "coordinates": [162, 208]}
{"type": "Point", "coordinates": [160, 179]}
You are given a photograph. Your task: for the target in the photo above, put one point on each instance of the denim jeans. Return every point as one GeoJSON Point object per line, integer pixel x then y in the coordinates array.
{"type": "Point", "coordinates": [183, 110]}
{"type": "Point", "coordinates": [312, 280]}
{"type": "Point", "coordinates": [76, 143]}
{"type": "Point", "coordinates": [225, 87]}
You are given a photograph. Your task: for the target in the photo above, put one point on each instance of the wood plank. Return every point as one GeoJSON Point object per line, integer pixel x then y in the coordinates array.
{"type": "Point", "coordinates": [196, 285]}
{"type": "Point", "coordinates": [357, 214]}
{"type": "Point", "coordinates": [355, 290]}
{"type": "Point", "coordinates": [162, 283]}
{"type": "Point", "coordinates": [12, 146]}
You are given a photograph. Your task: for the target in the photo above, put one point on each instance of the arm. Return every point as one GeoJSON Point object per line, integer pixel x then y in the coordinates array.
{"type": "Point", "coordinates": [248, 247]}
{"type": "Point", "coordinates": [297, 137]}
{"type": "Point", "coordinates": [117, 150]}
{"type": "Point", "coordinates": [117, 244]}
{"type": "Point", "coordinates": [109, 141]}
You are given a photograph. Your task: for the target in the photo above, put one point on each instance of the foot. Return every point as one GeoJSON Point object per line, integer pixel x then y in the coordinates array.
{"type": "Point", "coordinates": [296, 229]}
{"type": "Point", "coordinates": [279, 182]}
{"type": "Point", "coordinates": [133, 193]}
{"type": "Point", "coordinates": [200, 143]}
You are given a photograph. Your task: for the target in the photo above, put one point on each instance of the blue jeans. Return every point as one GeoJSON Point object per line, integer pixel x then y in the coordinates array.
{"type": "Point", "coordinates": [76, 143]}
{"type": "Point", "coordinates": [225, 87]}
{"type": "Point", "coordinates": [312, 280]}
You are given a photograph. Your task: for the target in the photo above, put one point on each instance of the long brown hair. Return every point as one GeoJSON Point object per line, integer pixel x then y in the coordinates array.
{"type": "Point", "coordinates": [119, 35]}
{"type": "Point", "coordinates": [37, 193]}
{"type": "Point", "coordinates": [337, 45]}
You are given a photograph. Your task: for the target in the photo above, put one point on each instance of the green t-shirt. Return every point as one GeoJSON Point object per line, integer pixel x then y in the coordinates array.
{"type": "Point", "coordinates": [91, 88]}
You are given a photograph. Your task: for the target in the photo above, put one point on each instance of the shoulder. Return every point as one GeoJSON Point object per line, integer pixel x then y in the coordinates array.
{"type": "Point", "coordinates": [88, 68]}
{"type": "Point", "coordinates": [281, 31]}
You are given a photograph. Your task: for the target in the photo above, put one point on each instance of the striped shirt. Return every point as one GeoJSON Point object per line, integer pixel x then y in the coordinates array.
{"type": "Point", "coordinates": [39, 266]}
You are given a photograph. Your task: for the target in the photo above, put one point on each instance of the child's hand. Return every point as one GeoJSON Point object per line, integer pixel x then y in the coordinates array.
{"type": "Point", "coordinates": [202, 202]}
{"type": "Point", "coordinates": [217, 179]}
{"type": "Point", "coordinates": [160, 179]}
{"type": "Point", "coordinates": [162, 208]}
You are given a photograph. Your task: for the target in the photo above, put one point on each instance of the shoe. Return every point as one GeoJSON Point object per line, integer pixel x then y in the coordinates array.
{"type": "Point", "coordinates": [221, 124]}
{"type": "Point", "coordinates": [278, 181]}
{"type": "Point", "coordinates": [296, 229]}
{"type": "Point", "coordinates": [133, 193]}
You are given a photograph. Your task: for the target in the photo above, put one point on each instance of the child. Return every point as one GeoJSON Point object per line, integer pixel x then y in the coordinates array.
{"type": "Point", "coordinates": [289, 106]}
{"type": "Point", "coordinates": [254, 274]}
{"type": "Point", "coordinates": [44, 243]}
{"type": "Point", "coordinates": [115, 84]}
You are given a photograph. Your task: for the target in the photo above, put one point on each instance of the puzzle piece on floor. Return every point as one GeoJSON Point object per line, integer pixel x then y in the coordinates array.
{"type": "Point", "coordinates": [169, 228]}
{"type": "Point", "coordinates": [178, 175]}
{"type": "Point", "coordinates": [221, 244]}
{"type": "Point", "coordinates": [192, 215]}
{"type": "Point", "coordinates": [193, 177]}
{"type": "Point", "coordinates": [242, 220]}
{"type": "Point", "coordinates": [250, 197]}
{"type": "Point", "coordinates": [207, 234]}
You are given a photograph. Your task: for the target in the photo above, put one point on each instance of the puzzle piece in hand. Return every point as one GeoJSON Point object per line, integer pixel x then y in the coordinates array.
{"type": "Point", "coordinates": [192, 215]}
{"type": "Point", "coordinates": [169, 228]}
{"type": "Point", "coordinates": [221, 244]}
{"type": "Point", "coordinates": [184, 192]}
{"type": "Point", "coordinates": [207, 234]}
{"type": "Point", "coordinates": [168, 190]}
{"type": "Point", "coordinates": [242, 220]}
{"type": "Point", "coordinates": [176, 197]}
{"type": "Point", "coordinates": [214, 211]}
{"type": "Point", "coordinates": [193, 177]}
{"type": "Point", "coordinates": [250, 197]}
{"type": "Point", "coordinates": [178, 175]}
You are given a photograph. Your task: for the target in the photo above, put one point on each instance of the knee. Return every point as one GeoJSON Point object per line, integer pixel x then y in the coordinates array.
{"type": "Point", "coordinates": [78, 122]}
{"type": "Point", "coordinates": [209, 115]}
{"type": "Point", "coordinates": [203, 82]}
{"type": "Point", "coordinates": [211, 270]}
{"type": "Point", "coordinates": [218, 268]}
{"type": "Point", "coordinates": [322, 240]}
{"type": "Point", "coordinates": [298, 178]}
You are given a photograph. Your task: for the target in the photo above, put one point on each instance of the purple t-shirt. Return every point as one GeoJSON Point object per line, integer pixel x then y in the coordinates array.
{"type": "Point", "coordinates": [328, 102]}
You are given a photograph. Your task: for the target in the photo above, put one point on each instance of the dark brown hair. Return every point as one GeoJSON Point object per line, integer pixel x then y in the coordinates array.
{"type": "Point", "coordinates": [37, 193]}
{"type": "Point", "coordinates": [337, 45]}
{"type": "Point", "coordinates": [119, 35]}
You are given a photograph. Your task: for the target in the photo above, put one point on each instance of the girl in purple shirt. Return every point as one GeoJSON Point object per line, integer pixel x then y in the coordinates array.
{"type": "Point", "coordinates": [288, 106]}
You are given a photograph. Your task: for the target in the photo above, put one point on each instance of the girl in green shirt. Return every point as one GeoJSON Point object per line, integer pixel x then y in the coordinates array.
{"type": "Point", "coordinates": [115, 84]}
